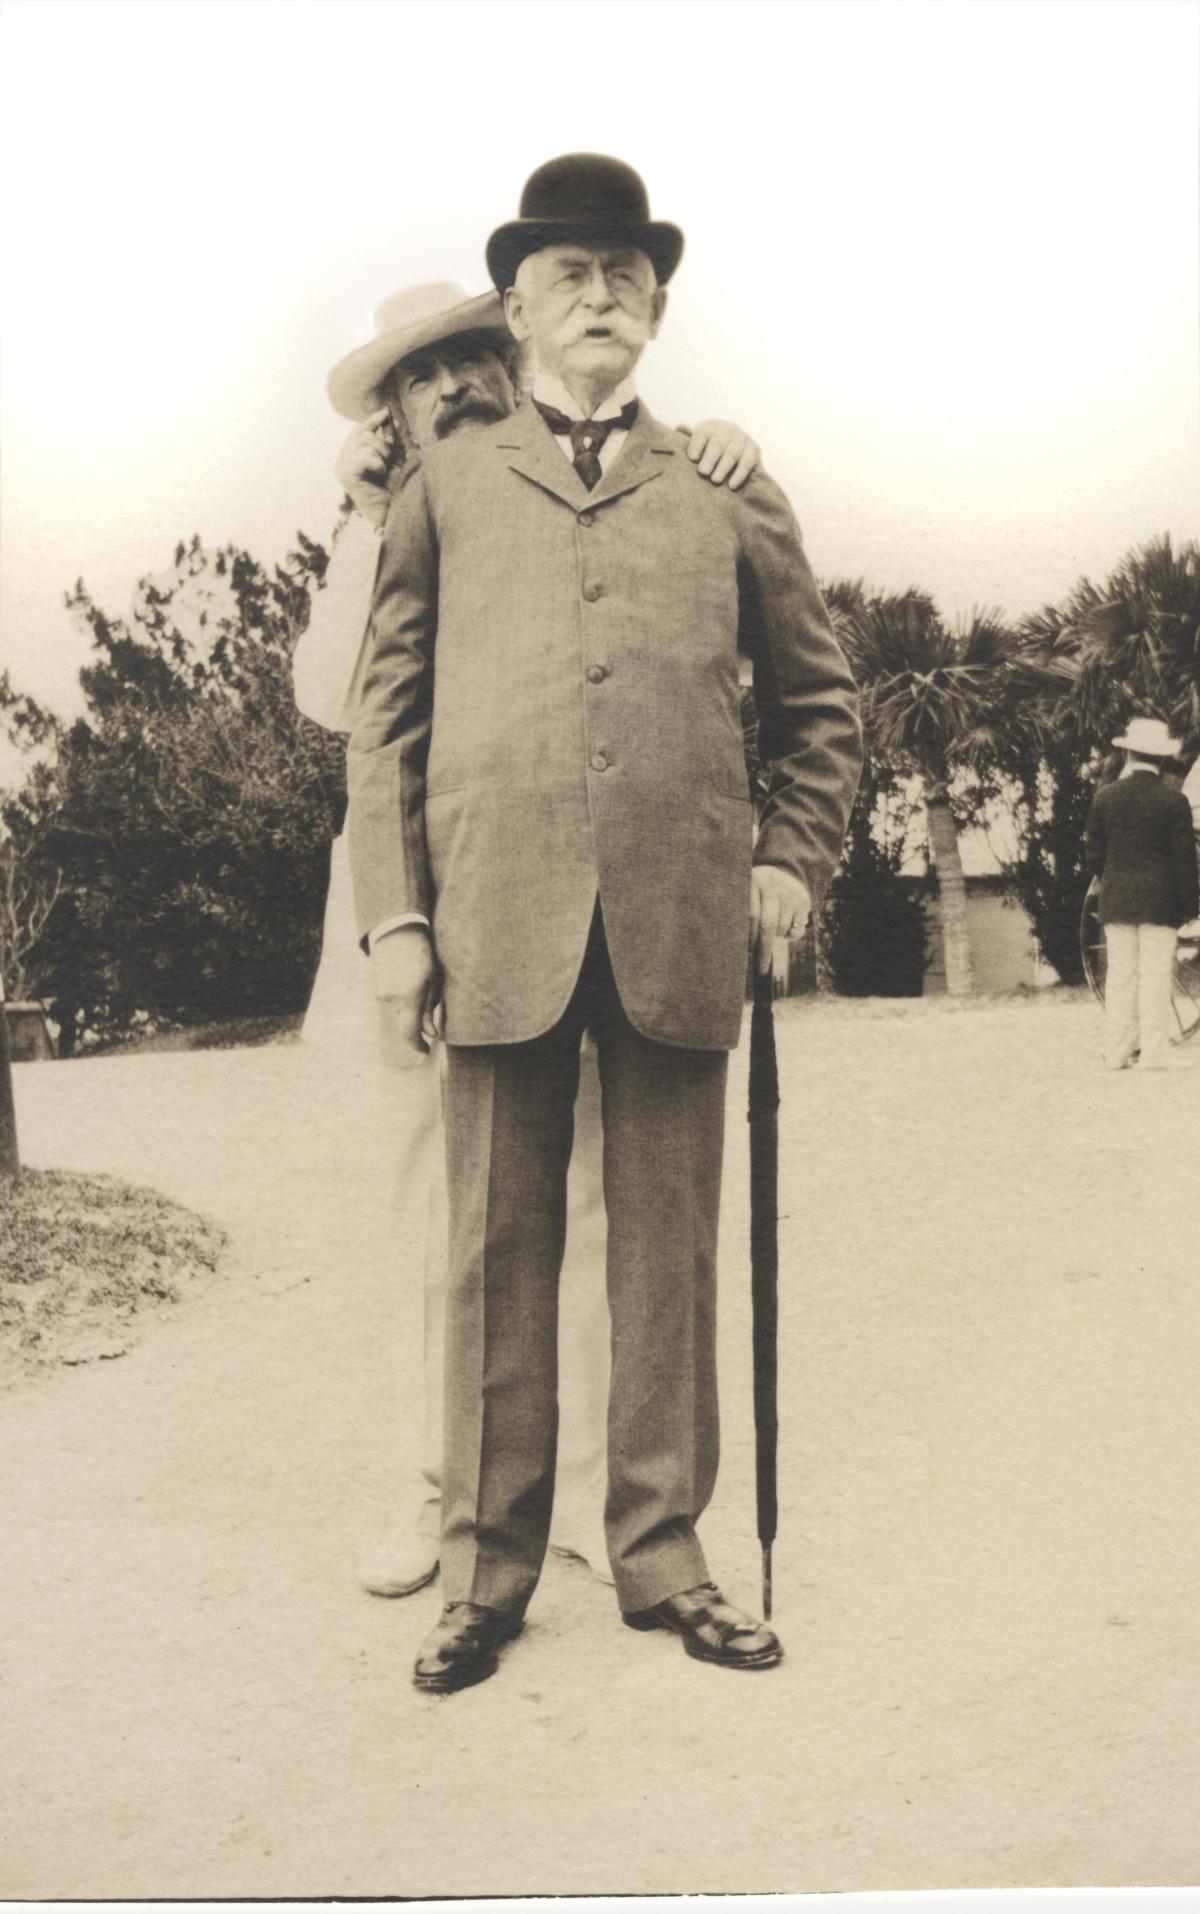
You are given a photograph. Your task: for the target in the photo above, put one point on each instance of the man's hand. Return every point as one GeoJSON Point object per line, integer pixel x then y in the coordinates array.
{"type": "Point", "coordinates": [364, 463]}
{"type": "Point", "coordinates": [723, 451]}
{"type": "Point", "coordinates": [406, 979]}
{"type": "Point", "coordinates": [780, 906]}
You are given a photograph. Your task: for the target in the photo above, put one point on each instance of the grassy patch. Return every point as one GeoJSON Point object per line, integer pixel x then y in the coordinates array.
{"type": "Point", "coordinates": [936, 1004]}
{"type": "Point", "coordinates": [235, 1033]}
{"type": "Point", "coordinates": [84, 1260]}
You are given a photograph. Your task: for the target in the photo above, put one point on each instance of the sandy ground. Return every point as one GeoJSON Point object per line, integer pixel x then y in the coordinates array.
{"type": "Point", "coordinates": [986, 1577]}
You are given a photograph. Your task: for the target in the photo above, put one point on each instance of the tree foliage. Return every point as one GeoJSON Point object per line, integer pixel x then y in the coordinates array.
{"type": "Point", "coordinates": [31, 879]}
{"type": "Point", "coordinates": [1138, 643]}
{"type": "Point", "coordinates": [1046, 778]}
{"type": "Point", "coordinates": [873, 923]}
{"type": "Point", "coordinates": [1129, 646]}
{"type": "Point", "coordinates": [929, 700]}
{"type": "Point", "coordinates": [189, 814]}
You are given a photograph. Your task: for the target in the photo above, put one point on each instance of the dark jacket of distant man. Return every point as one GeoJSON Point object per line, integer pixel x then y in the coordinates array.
{"type": "Point", "coordinates": [1140, 846]}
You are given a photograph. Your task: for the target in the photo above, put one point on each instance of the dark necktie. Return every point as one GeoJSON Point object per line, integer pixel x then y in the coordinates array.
{"type": "Point", "coordinates": [587, 436]}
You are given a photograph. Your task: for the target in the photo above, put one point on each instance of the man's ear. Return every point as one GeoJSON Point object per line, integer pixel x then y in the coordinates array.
{"type": "Point", "coordinates": [658, 305]}
{"type": "Point", "coordinates": [514, 312]}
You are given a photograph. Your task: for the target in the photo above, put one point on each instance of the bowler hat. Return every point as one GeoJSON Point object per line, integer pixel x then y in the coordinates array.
{"type": "Point", "coordinates": [407, 322]}
{"type": "Point", "coordinates": [1149, 736]}
{"type": "Point", "coordinates": [589, 198]}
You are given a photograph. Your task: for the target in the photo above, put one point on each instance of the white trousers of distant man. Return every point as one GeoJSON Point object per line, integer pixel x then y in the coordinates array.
{"type": "Point", "coordinates": [1137, 994]}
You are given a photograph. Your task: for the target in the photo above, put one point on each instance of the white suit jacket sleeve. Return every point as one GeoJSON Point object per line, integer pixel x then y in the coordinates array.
{"type": "Point", "coordinates": [328, 659]}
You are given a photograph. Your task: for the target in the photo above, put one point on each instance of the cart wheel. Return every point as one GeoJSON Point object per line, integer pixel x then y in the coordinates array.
{"type": "Point", "coordinates": [1091, 942]}
{"type": "Point", "coordinates": [1185, 988]}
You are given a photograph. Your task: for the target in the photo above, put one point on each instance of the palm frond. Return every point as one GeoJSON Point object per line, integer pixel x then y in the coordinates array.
{"type": "Point", "coordinates": [1139, 641]}
{"type": "Point", "coordinates": [931, 697]}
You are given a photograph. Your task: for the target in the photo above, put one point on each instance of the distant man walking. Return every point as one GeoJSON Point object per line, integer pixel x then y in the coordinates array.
{"type": "Point", "coordinates": [1139, 845]}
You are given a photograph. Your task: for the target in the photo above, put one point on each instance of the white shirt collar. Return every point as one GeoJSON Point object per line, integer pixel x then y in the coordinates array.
{"type": "Point", "coordinates": [551, 391]}
{"type": "Point", "coordinates": [1131, 769]}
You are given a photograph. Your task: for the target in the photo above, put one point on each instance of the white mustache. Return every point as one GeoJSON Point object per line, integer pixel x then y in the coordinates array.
{"type": "Point", "coordinates": [616, 330]}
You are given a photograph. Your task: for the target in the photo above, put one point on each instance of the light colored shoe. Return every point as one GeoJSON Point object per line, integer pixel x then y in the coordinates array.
{"type": "Point", "coordinates": [590, 1549]}
{"type": "Point", "coordinates": [401, 1562]}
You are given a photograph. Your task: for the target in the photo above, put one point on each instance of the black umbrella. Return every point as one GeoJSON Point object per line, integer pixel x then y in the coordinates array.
{"type": "Point", "coordinates": [764, 1262]}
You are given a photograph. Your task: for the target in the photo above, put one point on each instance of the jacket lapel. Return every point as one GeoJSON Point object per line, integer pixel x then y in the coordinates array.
{"type": "Point", "coordinates": [529, 447]}
{"type": "Point", "coordinates": [643, 457]}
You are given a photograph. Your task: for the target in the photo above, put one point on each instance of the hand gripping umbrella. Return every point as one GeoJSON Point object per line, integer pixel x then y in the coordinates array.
{"type": "Point", "coordinates": [764, 1262]}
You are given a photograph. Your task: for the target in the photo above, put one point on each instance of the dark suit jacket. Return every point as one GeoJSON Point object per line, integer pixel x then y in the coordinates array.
{"type": "Point", "coordinates": [551, 712]}
{"type": "Point", "coordinates": [1140, 846]}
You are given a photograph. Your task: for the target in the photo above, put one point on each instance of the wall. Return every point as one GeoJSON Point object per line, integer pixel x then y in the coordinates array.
{"type": "Point", "coordinates": [1003, 952]}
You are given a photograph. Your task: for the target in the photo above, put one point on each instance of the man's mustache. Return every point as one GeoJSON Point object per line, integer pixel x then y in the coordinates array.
{"type": "Point", "coordinates": [615, 329]}
{"type": "Point", "coordinates": [486, 410]}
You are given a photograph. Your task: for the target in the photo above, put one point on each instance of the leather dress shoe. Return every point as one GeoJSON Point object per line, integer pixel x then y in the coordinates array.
{"type": "Point", "coordinates": [402, 1561]}
{"type": "Point", "coordinates": [463, 1647]}
{"type": "Point", "coordinates": [712, 1629]}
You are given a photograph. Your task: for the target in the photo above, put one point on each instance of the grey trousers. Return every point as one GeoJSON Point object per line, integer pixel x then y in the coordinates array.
{"type": "Point", "coordinates": [509, 1122]}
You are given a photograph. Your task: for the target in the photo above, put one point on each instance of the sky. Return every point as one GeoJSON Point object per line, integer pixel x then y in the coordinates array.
{"type": "Point", "coordinates": [942, 261]}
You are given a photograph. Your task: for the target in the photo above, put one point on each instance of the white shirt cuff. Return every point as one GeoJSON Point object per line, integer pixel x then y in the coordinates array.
{"type": "Point", "coordinates": [390, 924]}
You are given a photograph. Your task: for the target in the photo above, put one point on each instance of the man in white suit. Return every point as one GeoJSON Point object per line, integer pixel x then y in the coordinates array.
{"type": "Point", "coordinates": [443, 364]}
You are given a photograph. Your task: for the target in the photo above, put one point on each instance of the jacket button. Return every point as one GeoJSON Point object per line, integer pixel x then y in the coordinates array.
{"type": "Point", "coordinates": [597, 674]}
{"type": "Point", "coordinates": [599, 761]}
{"type": "Point", "coordinates": [592, 592]}
{"type": "Point", "coordinates": [587, 518]}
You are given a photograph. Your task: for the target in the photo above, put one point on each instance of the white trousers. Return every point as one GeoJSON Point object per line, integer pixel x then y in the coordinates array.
{"type": "Point", "coordinates": [583, 1323]}
{"type": "Point", "coordinates": [1137, 993]}
{"type": "Point", "coordinates": [358, 1034]}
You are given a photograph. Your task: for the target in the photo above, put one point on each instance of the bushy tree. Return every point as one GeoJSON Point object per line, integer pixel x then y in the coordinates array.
{"type": "Point", "coordinates": [1138, 640]}
{"type": "Point", "coordinates": [873, 924]}
{"type": "Point", "coordinates": [1045, 778]}
{"type": "Point", "coordinates": [189, 814]}
{"type": "Point", "coordinates": [30, 881]}
{"type": "Point", "coordinates": [1129, 646]}
{"type": "Point", "coordinates": [869, 937]}
{"type": "Point", "coordinates": [929, 700]}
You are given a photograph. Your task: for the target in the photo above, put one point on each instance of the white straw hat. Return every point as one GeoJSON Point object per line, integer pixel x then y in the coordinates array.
{"type": "Point", "coordinates": [1150, 736]}
{"type": "Point", "coordinates": [406, 322]}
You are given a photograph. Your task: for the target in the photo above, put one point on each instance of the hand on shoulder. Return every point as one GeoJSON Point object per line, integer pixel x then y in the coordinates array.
{"type": "Point", "coordinates": [722, 452]}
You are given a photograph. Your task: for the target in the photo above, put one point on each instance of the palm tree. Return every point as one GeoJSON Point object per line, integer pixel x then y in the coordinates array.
{"type": "Point", "coordinates": [1047, 764]}
{"type": "Point", "coordinates": [930, 699]}
{"type": "Point", "coordinates": [1139, 642]}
